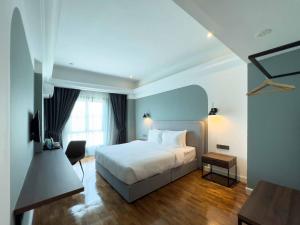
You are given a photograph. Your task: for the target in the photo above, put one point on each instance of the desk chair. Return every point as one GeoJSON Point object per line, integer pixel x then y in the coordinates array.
{"type": "Point", "coordinates": [76, 152]}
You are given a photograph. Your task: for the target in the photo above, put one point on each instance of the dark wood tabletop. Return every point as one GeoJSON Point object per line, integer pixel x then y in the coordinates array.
{"type": "Point", "coordinates": [271, 204]}
{"type": "Point", "coordinates": [218, 159]}
{"type": "Point", "coordinates": [49, 178]}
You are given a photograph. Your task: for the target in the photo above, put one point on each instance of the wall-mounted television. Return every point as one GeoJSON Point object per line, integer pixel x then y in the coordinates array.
{"type": "Point", "coordinates": [35, 133]}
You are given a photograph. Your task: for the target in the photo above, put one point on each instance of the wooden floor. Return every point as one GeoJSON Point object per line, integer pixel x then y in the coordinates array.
{"type": "Point", "coordinates": [189, 200]}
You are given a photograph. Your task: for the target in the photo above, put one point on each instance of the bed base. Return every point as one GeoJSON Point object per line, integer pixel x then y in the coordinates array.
{"type": "Point", "coordinates": [137, 190]}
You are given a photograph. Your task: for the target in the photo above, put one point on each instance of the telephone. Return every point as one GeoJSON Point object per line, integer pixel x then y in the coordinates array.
{"type": "Point", "coordinates": [49, 144]}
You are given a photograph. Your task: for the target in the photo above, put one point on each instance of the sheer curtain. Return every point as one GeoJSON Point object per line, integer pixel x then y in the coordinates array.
{"type": "Point", "coordinates": [91, 120]}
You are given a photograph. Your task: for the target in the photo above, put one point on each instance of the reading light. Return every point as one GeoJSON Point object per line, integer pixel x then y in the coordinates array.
{"type": "Point", "coordinates": [213, 111]}
{"type": "Point", "coordinates": [146, 115]}
{"type": "Point", "coordinates": [209, 35]}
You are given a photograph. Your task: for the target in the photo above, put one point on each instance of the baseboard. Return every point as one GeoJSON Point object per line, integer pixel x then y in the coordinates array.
{"type": "Point", "coordinates": [28, 218]}
{"type": "Point", "coordinates": [248, 190]}
{"type": "Point", "coordinates": [221, 171]}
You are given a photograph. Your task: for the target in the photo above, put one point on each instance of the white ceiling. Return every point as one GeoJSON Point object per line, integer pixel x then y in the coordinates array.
{"type": "Point", "coordinates": [236, 22]}
{"type": "Point", "coordinates": [144, 39]}
{"type": "Point", "coordinates": [153, 39]}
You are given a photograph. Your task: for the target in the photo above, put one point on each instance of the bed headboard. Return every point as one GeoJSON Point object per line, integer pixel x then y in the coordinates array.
{"type": "Point", "coordinates": [196, 133]}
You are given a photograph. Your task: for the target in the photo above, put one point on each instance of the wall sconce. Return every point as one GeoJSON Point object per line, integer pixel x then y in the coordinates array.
{"type": "Point", "coordinates": [213, 111]}
{"type": "Point", "coordinates": [146, 115]}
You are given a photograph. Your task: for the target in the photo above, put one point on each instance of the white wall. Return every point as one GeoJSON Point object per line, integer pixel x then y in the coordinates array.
{"type": "Point", "coordinates": [76, 78]}
{"type": "Point", "coordinates": [225, 81]}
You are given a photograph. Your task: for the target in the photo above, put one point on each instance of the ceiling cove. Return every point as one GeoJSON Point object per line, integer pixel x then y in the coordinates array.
{"type": "Point", "coordinates": [248, 27]}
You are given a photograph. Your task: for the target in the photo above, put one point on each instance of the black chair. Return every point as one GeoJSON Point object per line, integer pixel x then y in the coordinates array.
{"type": "Point", "coordinates": [75, 152]}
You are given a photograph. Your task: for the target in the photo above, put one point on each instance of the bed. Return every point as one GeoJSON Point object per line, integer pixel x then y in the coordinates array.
{"type": "Point", "coordinates": [137, 168]}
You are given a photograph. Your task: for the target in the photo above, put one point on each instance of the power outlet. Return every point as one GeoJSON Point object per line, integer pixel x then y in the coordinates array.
{"type": "Point", "coordinates": [223, 147]}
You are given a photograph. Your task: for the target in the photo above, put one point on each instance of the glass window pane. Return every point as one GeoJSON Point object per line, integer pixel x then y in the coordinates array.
{"type": "Point", "coordinates": [86, 122]}
{"type": "Point", "coordinates": [78, 117]}
{"type": "Point", "coordinates": [95, 116]}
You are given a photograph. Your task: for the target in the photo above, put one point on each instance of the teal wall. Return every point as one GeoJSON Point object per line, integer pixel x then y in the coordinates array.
{"type": "Point", "coordinates": [22, 106]}
{"type": "Point", "coordinates": [131, 120]}
{"type": "Point", "coordinates": [274, 127]}
{"type": "Point", "coordinates": [38, 106]}
{"type": "Point", "coordinates": [187, 103]}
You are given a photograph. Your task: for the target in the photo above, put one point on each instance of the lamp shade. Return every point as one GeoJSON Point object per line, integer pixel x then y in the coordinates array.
{"type": "Point", "coordinates": [213, 111]}
{"type": "Point", "coordinates": [146, 115]}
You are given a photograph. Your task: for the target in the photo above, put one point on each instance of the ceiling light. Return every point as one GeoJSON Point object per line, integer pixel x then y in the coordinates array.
{"type": "Point", "coordinates": [210, 35]}
{"type": "Point", "coordinates": [263, 33]}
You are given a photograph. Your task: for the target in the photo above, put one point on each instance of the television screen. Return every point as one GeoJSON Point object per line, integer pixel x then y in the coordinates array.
{"type": "Point", "coordinates": [35, 128]}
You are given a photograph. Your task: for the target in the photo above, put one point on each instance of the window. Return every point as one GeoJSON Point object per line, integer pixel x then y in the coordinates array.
{"type": "Point", "coordinates": [91, 120]}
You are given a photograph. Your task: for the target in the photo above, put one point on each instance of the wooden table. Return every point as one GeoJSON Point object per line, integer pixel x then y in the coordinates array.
{"type": "Point", "coordinates": [220, 160]}
{"type": "Point", "coordinates": [271, 204]}
{"type": "Point", "coordinates": [49, 178]}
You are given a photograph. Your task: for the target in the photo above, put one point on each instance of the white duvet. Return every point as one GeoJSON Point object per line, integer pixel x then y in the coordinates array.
{"type": "Point", "coordinates": [137, 160]}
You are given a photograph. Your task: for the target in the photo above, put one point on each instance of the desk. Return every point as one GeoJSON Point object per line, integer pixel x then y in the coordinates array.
{"type": "Point", "coordinates": [50, 177]}
{"type": "Point", "coordinates": [271, 204]}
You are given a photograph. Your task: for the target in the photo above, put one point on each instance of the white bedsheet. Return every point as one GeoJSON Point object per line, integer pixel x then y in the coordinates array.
{"type": "Point", "coordinates": [189, 154]}
{"type": "Point", "coordinates": [138, 160]}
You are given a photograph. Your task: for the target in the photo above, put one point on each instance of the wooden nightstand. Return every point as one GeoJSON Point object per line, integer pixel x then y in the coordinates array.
{"type": "Point", "coordinates": [219, 160]}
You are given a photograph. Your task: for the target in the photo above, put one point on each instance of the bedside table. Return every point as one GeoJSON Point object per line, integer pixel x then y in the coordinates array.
{"type": "Point", "coordinates": [219, 160]}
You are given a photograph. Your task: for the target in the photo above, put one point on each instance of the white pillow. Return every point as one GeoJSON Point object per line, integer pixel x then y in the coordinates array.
{"type": "Point", "coordinates": [175, 138]}
{"type": "Point", "coordinates": [154, 136]}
